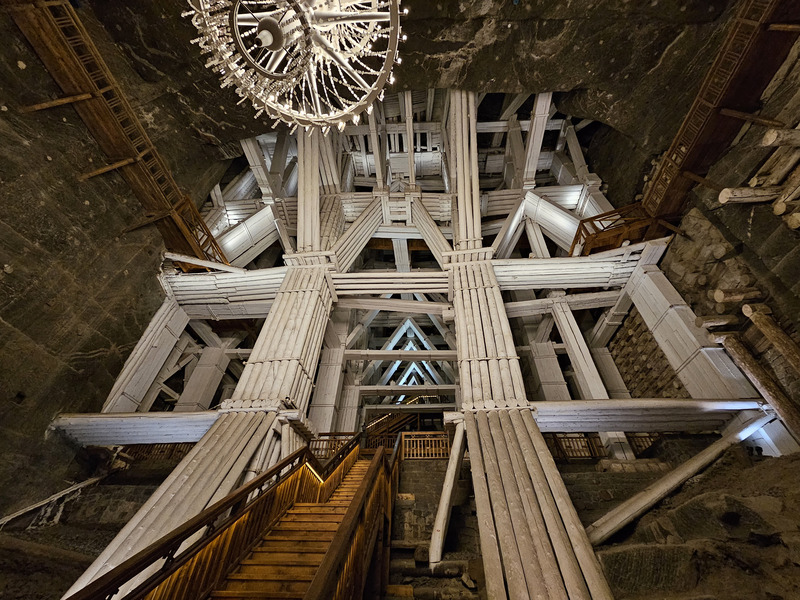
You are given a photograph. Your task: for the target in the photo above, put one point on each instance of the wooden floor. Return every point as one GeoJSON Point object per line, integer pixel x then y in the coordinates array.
{"type": "Point", "coordinates": [286, 560]}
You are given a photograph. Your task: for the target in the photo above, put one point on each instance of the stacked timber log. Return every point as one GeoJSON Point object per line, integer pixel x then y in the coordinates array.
{"type": "Point", "coordinates": [702, 366]}
{"type": "Point", "coordinates": [488, 363]}
{"type": "Point", "coordinates": [225, 295]}
{"type": "Point", "coordinates": [531, 537]}
{"type": "Point", "coordinates": [390, 282]}
{"type": "Point", "coordinates": [703, 262]}
{"type": "Point", "coordinates": [777, 180]}
{"type": "Point", "coordinates": [642, 364]}
{"type": "Point", "coordinates": [286, 210]}
{"type": "Point", "coordinates": [463, 132]}
{"type": "Point", "coordinates": [597, 270]}
{"type": "Point", "coordinates": [284, 358]}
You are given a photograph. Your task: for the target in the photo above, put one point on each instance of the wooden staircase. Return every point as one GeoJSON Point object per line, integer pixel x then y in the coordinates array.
{"type": "Point", "coordinates": [283, 564]}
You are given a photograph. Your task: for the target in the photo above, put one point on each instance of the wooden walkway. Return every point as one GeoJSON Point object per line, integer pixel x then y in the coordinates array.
{"type": "Point", "coordinates": [68, 53]}
{"type": "Point", "coordinates": [290, 553]}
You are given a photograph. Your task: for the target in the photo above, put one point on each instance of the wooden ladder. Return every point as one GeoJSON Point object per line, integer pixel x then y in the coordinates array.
{"type": "Point", "coordinates": [289, 554]}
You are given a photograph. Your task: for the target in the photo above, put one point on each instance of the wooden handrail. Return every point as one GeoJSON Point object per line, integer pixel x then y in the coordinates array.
{"type": "Point", "coordinates": [323, 585]}
{"type": "Point", "coordinates": [204, 524]}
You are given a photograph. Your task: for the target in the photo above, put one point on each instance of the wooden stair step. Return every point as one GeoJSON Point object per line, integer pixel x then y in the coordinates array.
{"type": "Point", "coordinates": [256, 595]}
{"type": "Point", "coordinates": [268, 586]}
{"type": "Point", "coordinates": [317, 509]}
{"type": "Point", "coordinates": [285, 525]}
{"type": "Point", "coordinates": [329, 517]}
{"type": "Point", "coordinates": [295, 536]}
{"type": "Point", "coordinates": [293, 546]}
{"type": "Point", "coordinates": [274, 573]}
{"type": "Point", "coordinates": [270, 557]}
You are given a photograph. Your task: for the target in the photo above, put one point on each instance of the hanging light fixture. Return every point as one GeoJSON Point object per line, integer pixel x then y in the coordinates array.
{"type": "Point", "coordinates": [306, 62]}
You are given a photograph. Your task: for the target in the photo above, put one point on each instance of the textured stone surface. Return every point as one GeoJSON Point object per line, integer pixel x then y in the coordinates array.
{"type": "Point", "coordinates": [75, 292]}
{"type": "Point", "coordinates": [729, 532]}
{"type": "Point", "coordinates": [595, 493]}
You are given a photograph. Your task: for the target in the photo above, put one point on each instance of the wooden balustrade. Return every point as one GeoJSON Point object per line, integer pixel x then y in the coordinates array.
{"type": "Point", "coordinates": [328, 444]}
{"type": "Point", "coordinates": [425, 445]}
{"type": "Point", "coordinates": [575, 445]}
{"type": "Point", "coordinates": [220, 537]}
{"type": "Point", "coordinates": [343, 571]}
{"type": "Point", "coordinates": [609, 230]}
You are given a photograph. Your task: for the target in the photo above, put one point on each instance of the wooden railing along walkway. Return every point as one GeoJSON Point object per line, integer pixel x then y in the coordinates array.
{"type": "Point", "coordinates": [223, 534]}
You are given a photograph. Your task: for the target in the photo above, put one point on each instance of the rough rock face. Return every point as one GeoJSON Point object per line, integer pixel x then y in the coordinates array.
{"type": "Point", "coordinates": [632, 65]}
{"type": "Point", "coordinates": [731, 532]}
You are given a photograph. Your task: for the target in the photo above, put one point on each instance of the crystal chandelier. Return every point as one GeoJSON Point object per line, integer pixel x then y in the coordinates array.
{"type": "Point", "coordinates": [309, 63]}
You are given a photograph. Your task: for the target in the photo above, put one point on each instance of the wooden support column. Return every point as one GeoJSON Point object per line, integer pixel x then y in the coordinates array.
{"type": "Point", "coordinates": [634, 507]}
{"type": "Point", "coordinates": [402, 260]}
{"type": "Point", "coordinates": [348, 418]}
{"type": "Point", "coordinates": [511, 104]}
{"type": "Point", "coordinates": [258, 165]}
{"type": "Point", "coordinates": [204, 381]}
{"type": "Point", "coordinates": [588, 379]}
{"type": "Point", "coordinates": [533, 147]}
{"type": "Point", "coordinates": [330, 375]}
{"type": "Point", "coordinates": [308, 214]}
{"type": "Point", "coordinates": [550, 378]}
{"type": "Point", "coordinates": [442, 519]}
{"type": "Point", "coordinates": [377, 148]}
{"type": "Point", "coordinates": [285, 355]}
{"type": "Point", "coordinates": [349, 246]}
{"type": "Point", "coordinates": [210, 470]}
{"type": "Point", "coordinates": [785, 408]}
{"type": "Point", "coordinates": [536, 239]}
{"type": "Point", "coordinates": [549, 478]}
{"type": "Point", "coordinates": [146, 359]}
{"type": "Point", "coordinates": [490, 553]}
{"type": "Point", "coordinates": [409, 120]}
{"type": "Point", "coordinates": [609, 322]}
{"type": "Point", "coordinates": [558, 224]}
